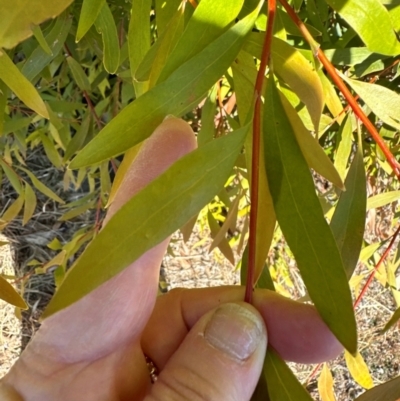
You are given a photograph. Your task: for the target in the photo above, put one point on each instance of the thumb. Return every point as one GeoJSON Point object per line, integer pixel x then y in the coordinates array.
{"type": "Point", "coordinates": [220, 359]}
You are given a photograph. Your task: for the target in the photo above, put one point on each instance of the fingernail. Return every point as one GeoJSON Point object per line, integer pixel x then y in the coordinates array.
{"type": "Point", "coordinates": [234, 330]}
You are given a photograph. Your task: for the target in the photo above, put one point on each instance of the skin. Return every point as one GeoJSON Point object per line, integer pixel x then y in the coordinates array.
{"type": "Point", "coordinates": [93, 350]}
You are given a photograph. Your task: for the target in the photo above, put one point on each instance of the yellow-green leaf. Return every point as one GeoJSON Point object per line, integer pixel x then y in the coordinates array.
{"type": "Point", "coordinates": [8, 294]}
{"type": "Point", "coordinates": [105, 24]}
{"type": "Point", "coordinates": [359, 370]}
{"type": "Point", "coordinates": [158, 210]}
{"type": "Point", "coordinates": [89, 12]}
{"type": "Point", "coordinates": [30, 203]}
{"type": "Point", "coordinates": [37, 32]}
{"type": "Point", "coordinates": [393, 320]}
{"type": "Point", "coordinates": [12, 176]}
{"type": "Point", "coordinates": [58, 260]}
{"type": "Point", "coordinates": [14, 209]}
{"type": "Point", "coordinates": [382, 199]}
{"type": "Point", "coordinates": [389, 391]}
{"type": "Point", "coordinates": [18, 17]}
{"type": "Point", "coordinates": [24, 90]}
{"type": "Point", "coordinates": [344, 148]}
{"type": "Point", "coordinates": [325, 384]}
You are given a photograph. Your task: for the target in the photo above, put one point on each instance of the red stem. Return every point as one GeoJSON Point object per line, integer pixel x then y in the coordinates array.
{"type": "Point", "coordinates": [255, 162]}
{"type": "Point", "coordinates": [343, 88]}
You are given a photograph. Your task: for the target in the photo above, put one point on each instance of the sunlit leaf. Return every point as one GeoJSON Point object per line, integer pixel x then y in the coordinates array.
{"type": "Point", "coordinates": [58, 260]}
{"type": "Point", "coordinates": [393, 320]}
{"type": "Point", "coordinates": [165, 9]}
{"type": "Point", "coordinates": [89, 12]}
{"type": "Point", "coordinates": [154, 213]}
{"type": "Point", "coordinates": [24, 90]}
{"type": "Point", "coordinates": [371, 20]}
{"type": "Point", "coordinates": [301, 219]}
{"type": "Point", "coordinates": [105, 24]}
{"type": "Point", "coordinates": [14, 209]}
{"type": "Point", "coordinates": [382, 199]}
{"type": "Point", "coordinates": [8, 294]}
{"type": "Point", "coordinates": [389, 391]}
{"type": "Point", "coordinates": [325, 384]}
{"type": "Point", "coordinates": [359, 370]}
{"type": "Point", "coordinates": [384, 102]}
{"type": "Point", "coordinates": [332, 100]}
{"type": "Point", "coordinates": [344, 149]}
{"type": "Point", "coordinates": [18, 17]}
{"type": "Point", "coordinates": [30, 203]}
{"type": "Point", "coordinates": [281, 382]}
{"type": "Point", "coordinates": [177, 95]}
{"type": "Point", "coordinates": [12, 176]}
{"type": "Point", "coordinates": [348, 221]}
{"type": "Point", "coordinates": [223, 244]}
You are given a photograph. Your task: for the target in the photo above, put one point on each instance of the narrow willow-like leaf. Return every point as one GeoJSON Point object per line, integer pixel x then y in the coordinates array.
{"type": "Point", "coordinates": [393, 320]}
{"type": "Point", "coordinates": [348, 55]}
{"type": "Point", "coordinates": [165, 9]}
{"type": "Point", "coordinates": [325, 384]}
{"type": "Point", "coordinates": [18, 17]}
{"type": "Point", "coordinates": [24, 90]}
{"type": "Point", "coordinates": [210, 19]}
{"type": "Point", "coordinates": [282, 383]}
{"type": "Point", "coordinates": [382, 199]}
{"type": "Point", "coordinates": [303, 224]}
{"type": "Point", "coordinates": [359, 370]}
{"type": "Point", "coordinates": [78, 74]}
{"type": "Point", "coordinates": [13, 210]}
{"type": "Point", "coordinates": [383, 102]}
{"type": "Point", "coordinates": [41, 187]}
{"type": "Point", "coordinates": [12, 176]}
{"type": "Point", "coordinates": [50, 150]}
{"type": "Point", "coordinates": [344, 148]}
{"type": "Point", "coordinates": [207, 130]}
{"type": "Point", "coordinates": [89, 13]}
{"type": "Point", "coordinates": [371, 20]}
{"type": "Point", "coordinates": [332, 100]}
{"type": "Point", "coordinates": [30, 203]}
{"type": "Point", "coordinates": [348, 221]}
{"type": "Point", "coordinates": [315, 156]}
{"type": "Point", "coordinates": [8, 294]}
{"type": "Point", "coordinates": [105, 24]}
{"type": "Point", "coordinates": [155, 212]}
{"type": "Point", "coordinates": [37, 32]}
{"type": "Point", "coordinates": [79, 138]}
{"type": "Point", "coordinates": [177, 95]}
{"type": "Point", "coordinates": [39, 59]}
{"type": "Point", "coordinates": [77, 211]}
{"type": "Point", "coordinates": [389, 391]}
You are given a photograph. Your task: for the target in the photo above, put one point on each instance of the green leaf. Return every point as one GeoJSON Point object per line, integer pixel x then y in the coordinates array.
{"type": "Point", "coordinates": [8, 294]}
{"type": "Point", "coordinates": [382, 199]}
{"type": "Point", "coordinates": [41, 187]}
{"type": "Point", "coordinates": [18, 17]}
{"type": "Point", "coordinates": [393, 320]}
{"type": "Point", "coordinates": [12, 176]}
{"type": "Point", "coordinates": [344, 148]}
{"type": "Point", "coordinates": [303, 224]}
{"type": "Point", "coordinates": [382, 101]}
{"type": "Point", "coordinates": [165, 9]}
{"type": "Point", "coordinates": [158, 210]}
{"type": "Point", "coordinates": [78, 74]}
{"type": "Point", "coordinates": [24, 90]}
{"type": "Point", "coordinates": [30, 203]}
{"type": "Point", "coordinates": [282, 383]}
{"type": "Point", "coordinates": [371, 20]}
{"type": "Point", "coordinates": [89, 13]}
{"type": "Point", "coordinates": [79, 138]}
{"type": "Point", "coordinates": [359, 370]}
{"type": "Point", "coordinates": [348, 55]}
{"type": "Point", "coordinates": [315, 156]}
{"type": "Point", "coordinates": [210, 19]}
{"type": "Point", "coordinates": [348, 221]}
{"type": "Point", "coordinates": [78, 211]}
{"type": "Point", "coordinates": [39, 59]}
{"type": "Point", "coordinates": [50, 150]}
{"type": "Point", "coordinates": [177, 95]}
{"type": "Point", "coordinates": [222, 242]}
{"type": "Point", "coordinates": [13, 210]}
{"type": "Point", "coordinates": [105, 25]}
{"type": "Point", "coordinates": [207, 130]}
{"type": "Point", "coordinates": [389, 391]}
{"type": "Point", "coordinates": [37, 32]}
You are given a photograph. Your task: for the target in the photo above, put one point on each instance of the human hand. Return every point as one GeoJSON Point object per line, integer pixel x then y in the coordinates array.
{"type": "Point", "coordinates": [206, 343]}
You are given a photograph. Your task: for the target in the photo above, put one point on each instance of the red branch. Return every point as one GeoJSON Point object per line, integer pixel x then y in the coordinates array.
{"type": "Point", "coordinates": [255, 162]}
{"type": "Point", "coordinates": [343, 88]}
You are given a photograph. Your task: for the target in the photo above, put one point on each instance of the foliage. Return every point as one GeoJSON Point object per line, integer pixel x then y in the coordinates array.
{"type": "Point", "coordinates": [93, 83]}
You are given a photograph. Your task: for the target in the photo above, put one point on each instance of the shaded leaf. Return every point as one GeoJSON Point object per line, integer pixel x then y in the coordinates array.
{"type": "Point", "coordinates": [325, 384]}
{"type": "Point", "coordinates": [359, 370]}
{"type": "Point", "coordinates": [348, 221]}
{"type": "Point", "coordinates": [209, 20]}
{"type": "Point", "coordinates": [393, 320]}
{"type": "Point", "coordinates": [18, 17]}
{"type": "Point", "coordinates": [165, 9]}
{"type": "Point", "coordinates": [77, 211]}
{"type": "Point", "coordinates": [153, 214]}
{"type": "Point", "coordinates": [12, 176]}
{"type": "Point", "coordinates": [50, 150]}
{"type": "Point", "coordinates": [30, 203]}
{"type": "Point", "coordinates": [79, 138]}
{"type": "Point", "coordinates": [58, 260]}
{"type": "Point", "coordinates": [382, 101]}
{"type": "Point", "coordinates": [78, 74]}
{"type": "Point", "coordinates": [207, 130]}
{"type": "Point", "coordinates": [282, 383]}
{"type": "Point", "coordinates": [23, 89]}
{"type": "Point", "coordinates": [8, 294]}
{"type": "Point", "coordinates": [37, 32]}
{"type": "Point", "coordinates": [105, 25]}
{"type": "Point", "coordinates": [187, 229]}
{"type": "Point", "coordinates": [177, 95]}
{"type": "Point", "coordinates": [382, 199]}
{"type": "Point", "coordinates": [89, 12]}
{"type": "Point", "coordinates": [301, 219]}
{"type": "Point", "coordinates": [371, 20]}
{"type": "Point", "coordinates": [389, 391]}
{"type": "Point", "coordinates": [14, 209]}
